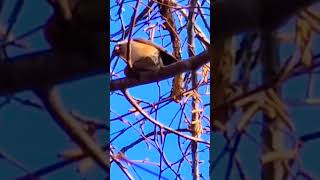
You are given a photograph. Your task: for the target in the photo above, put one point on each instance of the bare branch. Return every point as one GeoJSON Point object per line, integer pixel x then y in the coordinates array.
{"type": "Point", "coordinates": [232, 17]}
{"type": "Point", "coordinates": [34, 70]}
{"type": "Point", "coordinates": [192, 63]}
{"type": "Point", "coordinates": [71, 126]}
{"type": "Point", "coordinates": [135, 105]}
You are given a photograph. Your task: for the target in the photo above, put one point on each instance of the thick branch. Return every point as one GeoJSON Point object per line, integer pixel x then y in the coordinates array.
{"type": "Point", "coordinates": [231, 17]}
{"type": "Point", "coordinates": [273, 137]}
{"type": "Point", "coordinates": [33, 70]}
{"type": "Point", "coordinates": [38, 69]}
{"type": "Point", "coordinates": [190, 64]}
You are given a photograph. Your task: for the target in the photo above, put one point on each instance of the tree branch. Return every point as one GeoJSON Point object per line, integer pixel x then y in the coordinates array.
{"type": "Point", "coordinates": [190, 64]}
{"type": "Point", "coordinates": [157, 123]}
{"type": "Point", "coordinates": [232, 17]}
{"type": "Point", "coordinates": [70, 125]}
{"type": "Point", "coordinates": [33, 70]}
{"type": "Point", "coordinates": [43, 68]}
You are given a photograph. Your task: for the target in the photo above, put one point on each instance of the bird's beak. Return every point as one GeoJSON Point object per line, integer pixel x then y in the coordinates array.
{"type": "Point", "coordinates": [115, 52]}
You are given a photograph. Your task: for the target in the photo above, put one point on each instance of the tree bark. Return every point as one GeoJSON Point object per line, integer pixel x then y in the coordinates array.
{"type": "Point", "coordinates": [273, 137]}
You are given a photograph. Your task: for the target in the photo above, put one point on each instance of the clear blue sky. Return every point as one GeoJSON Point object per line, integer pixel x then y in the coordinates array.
{"type": "Point", "coordinates": [149, 93]}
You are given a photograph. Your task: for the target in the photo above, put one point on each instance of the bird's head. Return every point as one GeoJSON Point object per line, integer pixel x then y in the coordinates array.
{"type": "Point", "coordinates": [120, 50]}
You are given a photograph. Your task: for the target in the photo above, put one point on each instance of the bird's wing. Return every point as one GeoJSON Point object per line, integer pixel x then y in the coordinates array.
{"type": "Point", "coordinates": [146, 64]}
{"type": "Point", "coordinates": [166, 57]}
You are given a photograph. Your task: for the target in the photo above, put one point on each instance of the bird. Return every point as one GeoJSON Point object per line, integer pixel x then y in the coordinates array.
{"type": "Point", "coordinates": [145, 56]}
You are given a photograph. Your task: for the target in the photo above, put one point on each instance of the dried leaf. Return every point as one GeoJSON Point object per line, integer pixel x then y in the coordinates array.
{"type": "Point", "coordinates": [312, 101]}
{"type": "Point", "coordinates": [205, 72]}
{"type": "Point", "coordinates": [177, 88]}
{"type": "Point", "coordinates": [196, 96]}
{"type": "Point", "coordinates": [278, 156]}
{"type": "Point", "coordinates": [276, 99]}
{"type": "Point", "coordinates": [188, 95]}
{"type": "Point", "coordinates": [196, 111]}
{"type": "Point", "coordinates": [247, 117]}
{"type": "Point", "coordinates": [252, 98]}
{"type": "Point", "coordinates": [283, 116]}
{"type": "Point", "coordinates": [85, 165]}
{"type": "Point", "coordinates": [71, 153]}
{"type": "Point", "coordinates": [268, 110]}
{"type": "Point", "coordinates": [303, 40]}
{"type": "Point", "coordinates": [313, 19]}
{"type": "Point", "coordinates": [196, 128]}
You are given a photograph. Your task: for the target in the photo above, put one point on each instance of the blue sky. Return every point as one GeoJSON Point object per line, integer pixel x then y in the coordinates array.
{"type": "Point", "coordinates": [149, 93]}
